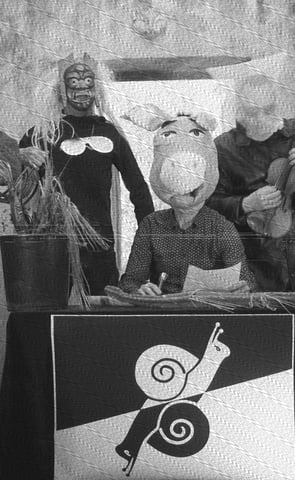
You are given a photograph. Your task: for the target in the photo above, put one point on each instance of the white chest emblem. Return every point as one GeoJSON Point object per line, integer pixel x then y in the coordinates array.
{"type": "Point", "coordinates": [76, 146]}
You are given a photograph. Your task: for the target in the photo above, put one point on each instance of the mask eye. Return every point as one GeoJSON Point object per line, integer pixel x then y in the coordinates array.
{"type": "Point", "coordinates": [89, 81]}
{"type": "Point", "coordinates": [196, 131]}
{"type": "Point", "coordinates": [168, 133]}
{"type": "Point", "coordinates": [73, 82]}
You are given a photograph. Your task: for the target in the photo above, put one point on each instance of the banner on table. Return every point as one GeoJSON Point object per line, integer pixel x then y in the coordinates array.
{"type": "Point", "coordinates": [173, 396]}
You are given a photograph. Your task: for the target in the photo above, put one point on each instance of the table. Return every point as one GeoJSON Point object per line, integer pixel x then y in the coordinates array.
{"type": "Point", "coordinates": [27, 392]}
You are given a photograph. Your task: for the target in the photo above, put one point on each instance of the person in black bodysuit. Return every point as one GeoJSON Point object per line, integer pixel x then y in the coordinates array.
{"type": "Point", "coordinates": [85, 148]}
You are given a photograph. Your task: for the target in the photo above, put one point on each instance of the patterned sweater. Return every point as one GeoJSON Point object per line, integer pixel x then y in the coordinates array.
{"type": "Point", "coordinates": [160, 245]}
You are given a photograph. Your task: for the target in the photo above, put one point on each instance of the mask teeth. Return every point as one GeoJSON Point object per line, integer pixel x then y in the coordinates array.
{"type": "Point", "coordinates": [80, 93]}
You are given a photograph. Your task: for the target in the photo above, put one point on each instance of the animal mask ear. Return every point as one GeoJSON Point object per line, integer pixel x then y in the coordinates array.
{"type": "Point", "coordinates": [147, 116]}
{"type": "Point", "coordinates": [206, 120]}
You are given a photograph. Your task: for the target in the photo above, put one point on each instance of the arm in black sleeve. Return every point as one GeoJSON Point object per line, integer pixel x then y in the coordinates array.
{"type": "Point", "coordinates": [226, 203]}
{"type": "Point", "coordinates": [133, 179]}
{"type": "Point", "coordinates": [26, 140]}
{"type": "Point", "coordinates": [223, 199]}
{"type": "Point", "coordinates": [138, 268]}
{"type": "Point", "coordinates": [233, 253]}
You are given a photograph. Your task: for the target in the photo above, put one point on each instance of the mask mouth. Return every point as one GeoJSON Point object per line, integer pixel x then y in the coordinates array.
{"type": "Point", "coordinates": [194, 193]}
{"type": "Point", "coordinates": [82, 95]}
{"type": "Point", "coordinates": [190, 197]}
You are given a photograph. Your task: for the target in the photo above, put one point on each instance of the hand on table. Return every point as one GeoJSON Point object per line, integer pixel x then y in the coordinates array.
{"type": "Point", "coordinates": [149, 288]}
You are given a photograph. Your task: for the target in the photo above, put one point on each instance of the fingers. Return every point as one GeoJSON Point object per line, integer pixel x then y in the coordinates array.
{"type": "Point", "coordinates": [272, 196]}
{"type": "Point", "coordinates": [269, 193]}
{"type": "Point", "coordinates": [266, 190]}
{"type": "Point", "coordinates": [33, 157]}
{"type": "Point", "coordinates": [276, 194]}
{"type": "Point", "coordinates": [292, 156]}
{"type": "Point", "coordinates": [272, 200]}
{"type": "Point", "coordinates": [149, 289]}
{"type": "Point", "coordinates": [269, 197]}
{"type": "Point", "coordinates": [262, 199]}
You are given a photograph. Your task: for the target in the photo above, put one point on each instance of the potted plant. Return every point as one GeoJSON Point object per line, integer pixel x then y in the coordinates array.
{"type": "Point", "coordinates": [41, 259]}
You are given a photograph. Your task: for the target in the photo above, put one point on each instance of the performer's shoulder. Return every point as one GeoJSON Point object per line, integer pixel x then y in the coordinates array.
{"type": "Point", "coordinates": [289, 126]}
{"type": "Point", "coordinates": [217, 219]}
{"type": "Point", "coordinates": [225, 139]}
{"type": "Point", "coordinates": [159, 218]}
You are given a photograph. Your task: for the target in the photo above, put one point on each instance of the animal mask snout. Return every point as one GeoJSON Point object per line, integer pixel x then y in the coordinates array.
{"type": "Point", "coordinates": [183, 172]}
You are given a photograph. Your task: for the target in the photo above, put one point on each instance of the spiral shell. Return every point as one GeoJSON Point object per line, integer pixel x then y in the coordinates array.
{"type": "Point", "coordinates": [161, 371]}
{"type": "Point", "coordinates": [182, 429]}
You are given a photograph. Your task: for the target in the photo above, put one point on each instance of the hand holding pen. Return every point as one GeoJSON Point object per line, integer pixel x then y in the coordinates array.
{"type": "Point", "coordinates": [150, 288]}
{"type": "Point", "coordinates": [162, 279]}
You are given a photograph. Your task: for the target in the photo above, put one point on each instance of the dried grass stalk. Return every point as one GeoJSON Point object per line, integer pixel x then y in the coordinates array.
{"type": "Point", "coordinates": [40, 206]}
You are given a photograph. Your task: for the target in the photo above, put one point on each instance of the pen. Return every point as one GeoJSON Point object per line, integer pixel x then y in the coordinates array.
{"type": "Point", "coordinates": [162, 279]}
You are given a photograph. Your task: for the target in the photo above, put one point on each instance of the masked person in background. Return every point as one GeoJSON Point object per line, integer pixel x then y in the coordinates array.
{"type": "Point", "coordinates": [246, 155]}
{"type": "Point", "coordinates": [84, 147]}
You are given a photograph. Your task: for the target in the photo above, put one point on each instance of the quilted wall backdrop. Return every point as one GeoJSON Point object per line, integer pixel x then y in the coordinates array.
{"type": "Point", "coordinates": [36, 33]}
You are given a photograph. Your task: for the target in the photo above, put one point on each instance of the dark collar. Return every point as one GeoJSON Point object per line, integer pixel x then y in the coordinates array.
{"type": "Point", "coordinates": [171, 219]}
{"type": "Point", "coordinates": [84, 120]}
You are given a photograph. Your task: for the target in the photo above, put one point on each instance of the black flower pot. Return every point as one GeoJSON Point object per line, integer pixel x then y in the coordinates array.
{"type": "Point", "coordinates": [36, 272]}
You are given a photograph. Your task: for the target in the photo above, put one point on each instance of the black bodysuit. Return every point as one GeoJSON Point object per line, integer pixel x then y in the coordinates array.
{"type": "Point", "coordinates": [87, 178]}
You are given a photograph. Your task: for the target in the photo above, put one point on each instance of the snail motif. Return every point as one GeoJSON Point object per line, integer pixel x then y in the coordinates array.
{"type": "Point", "coordinates": [161, 371]}
{"type": "Point", "coordinates": [182, 429]}
{"type": "Point", "coordinates": [169, 375]}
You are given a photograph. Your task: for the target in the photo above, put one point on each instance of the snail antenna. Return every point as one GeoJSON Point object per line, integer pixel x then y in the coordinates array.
{"type": "Point", "coordinates": [216, 332]}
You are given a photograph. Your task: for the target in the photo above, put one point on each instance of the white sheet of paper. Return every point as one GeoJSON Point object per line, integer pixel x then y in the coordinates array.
{"type": "Point", "coordinates": [197, 278]}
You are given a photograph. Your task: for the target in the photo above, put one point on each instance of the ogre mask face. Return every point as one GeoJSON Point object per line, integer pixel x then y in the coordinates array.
{"type": "Point", "coordinates": [80, 86]}
{"type": "Point", "coordinates": [184, 172]}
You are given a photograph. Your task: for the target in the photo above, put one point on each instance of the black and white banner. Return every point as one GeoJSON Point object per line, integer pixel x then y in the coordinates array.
{"type": "Point", "coordinates": [174, 396]}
